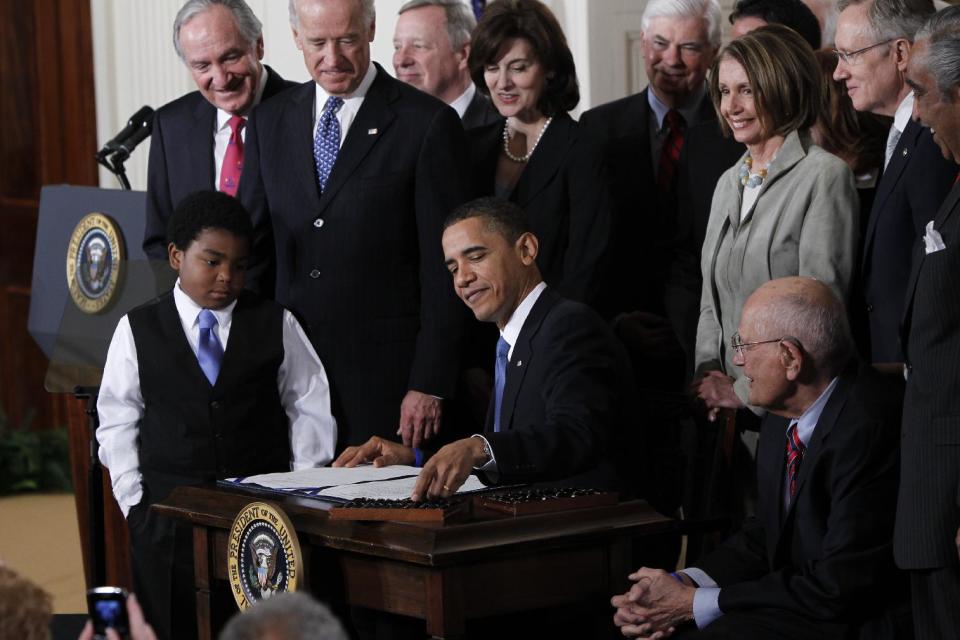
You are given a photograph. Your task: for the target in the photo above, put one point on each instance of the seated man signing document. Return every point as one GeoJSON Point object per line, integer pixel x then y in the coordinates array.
{"type": "Point", "coordinates": [561, 387]}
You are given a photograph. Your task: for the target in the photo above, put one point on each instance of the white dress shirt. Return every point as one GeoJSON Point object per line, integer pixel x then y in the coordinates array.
{"type": "Point", "coordinates": [461, 104]}
{"type": "Point", "coordinates": [221, 134]}
{"type": "Point", "coordinates": [351, 104]}
{"type": "Point", "coordinates": [900, 120]}
{"type": "Point", "coordinates": [706, 607]}
{"type": "Point", "coordinates": [301, 381]}
{"type": "Point", "coordinates": [510, 334]}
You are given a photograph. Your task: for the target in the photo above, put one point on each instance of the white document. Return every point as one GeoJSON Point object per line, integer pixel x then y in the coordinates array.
{"type": "Point", "coordinates": [399, 489]}
{"type": "Point", "coordinates": [321, 477]}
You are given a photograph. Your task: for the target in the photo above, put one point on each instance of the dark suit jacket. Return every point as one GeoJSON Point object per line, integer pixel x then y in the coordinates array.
{"type": "Point", "coordinates": [362, 264]}
{"type": "Point", "coordinates": [181, 158]}
{"type": "Point", "coordinates": [909, 192]}
{"type": "Point", "coordinates": [566, 410]}
{"type": "Point", "coordinates": [928, 512]}
{"type": "Point", "coordinates": [564, 194]}
{"type": "Point", "coordinates": [480, 112]}
{"type": "Point", "coordinates": [829, 557]}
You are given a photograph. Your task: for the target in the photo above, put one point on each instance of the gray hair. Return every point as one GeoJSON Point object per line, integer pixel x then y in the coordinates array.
{"type": "Point", "coordinates": [818, 323]}
{"type": "Point", "coordinates": [942, 33]}
{"type": "Point", "coordinates": [285, 616]}
{"type": "Point", "coordinates": [248, 24]}
{"type": "Point", "coordinates": [892, 19]}
{"type": "Point", "coordinates": [709, 10]}
{"type": "Point", "coordinates": [460, 19]}
{"type": "Point", "coordinates": [369, 13]}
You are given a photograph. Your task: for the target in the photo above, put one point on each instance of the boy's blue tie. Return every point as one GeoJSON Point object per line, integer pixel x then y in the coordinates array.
{"type": "Point", "coordinates": [209, 349]}
{"type": "Point", "coordinates": [499, 379]}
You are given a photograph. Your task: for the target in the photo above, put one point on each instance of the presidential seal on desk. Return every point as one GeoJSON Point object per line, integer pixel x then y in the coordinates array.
{"type": "Point", "coordinates": [94, 260]}
{"type": "Point", "coordinates": [263, 554]}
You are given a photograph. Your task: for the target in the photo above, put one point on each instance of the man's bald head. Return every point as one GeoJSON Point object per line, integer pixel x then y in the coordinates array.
{"type": "Point", "coordinates": [806, 311]}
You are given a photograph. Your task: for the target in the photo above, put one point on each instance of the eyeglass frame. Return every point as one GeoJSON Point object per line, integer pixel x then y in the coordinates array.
{"type": "Point", "coordinates": [849, 57]}
{"type": "Point", "coordinates": [739, 348]}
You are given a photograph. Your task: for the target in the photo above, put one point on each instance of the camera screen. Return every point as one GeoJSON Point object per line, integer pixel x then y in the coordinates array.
{"type": "Point", "coordinates": [109, 611]}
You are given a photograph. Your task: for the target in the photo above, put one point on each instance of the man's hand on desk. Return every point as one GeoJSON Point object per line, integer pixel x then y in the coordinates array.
{"type": "Point", "coordinates": [420, 416]}
{"type": "Point", "coordinates": [380, 452]}
{"type": "Point", "coordinates": [447, 470]}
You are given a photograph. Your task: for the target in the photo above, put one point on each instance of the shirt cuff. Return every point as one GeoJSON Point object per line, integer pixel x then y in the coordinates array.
{"type": "Point", "coordinates": [706, 607]}
{"type": "Point", "coordinates": [128, 491]}
{"type": "Point", "coordinates": [699, 577]}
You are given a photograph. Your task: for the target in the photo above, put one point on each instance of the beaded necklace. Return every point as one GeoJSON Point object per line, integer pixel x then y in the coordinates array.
{"type": "Point", "coordinates": [747, 178]}
{"type": "Point", "coordinates": [506, 142]}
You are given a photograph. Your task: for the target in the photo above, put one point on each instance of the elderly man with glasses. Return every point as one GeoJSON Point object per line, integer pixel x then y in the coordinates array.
{"type": "Point", "coordinates": [874, 42]}
{"type": "Point", "coordinates": [817, 561]}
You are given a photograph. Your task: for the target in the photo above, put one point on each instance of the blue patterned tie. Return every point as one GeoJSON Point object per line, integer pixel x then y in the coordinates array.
{"type": "Point", "coordinates": [209, 349]}
{"type": "Point", "coordinates": [499, 379]}
{"type": "Point", "coordinates": [326, 142]}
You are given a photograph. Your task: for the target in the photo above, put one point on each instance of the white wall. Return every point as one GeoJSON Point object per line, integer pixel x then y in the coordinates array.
{"type": "Point", "coordinates": [135, 63]}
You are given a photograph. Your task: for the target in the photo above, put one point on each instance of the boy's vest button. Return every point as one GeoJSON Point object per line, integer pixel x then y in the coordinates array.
{"type": "Point", "coordinates": [215, 405]}
{"type": "Point", "coordinates": [314, 274]}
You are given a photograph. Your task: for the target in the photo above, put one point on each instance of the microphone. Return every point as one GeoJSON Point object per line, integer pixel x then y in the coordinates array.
{"type": "Point", "coordinates": [139, 135]}
{"type": "Point", "coordinates": [143, 117]}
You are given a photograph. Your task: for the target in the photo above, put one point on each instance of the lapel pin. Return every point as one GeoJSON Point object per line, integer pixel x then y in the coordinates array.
{"type": "Point", "coordinates": [372, 132]}
{"type": "Point", "coordinates": [905, 152]}
{"type": "Point", "coordinates": [519, 363]}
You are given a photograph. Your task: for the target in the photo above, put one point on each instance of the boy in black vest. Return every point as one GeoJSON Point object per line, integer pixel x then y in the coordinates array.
{"type": "Point", "coordinates": [207, 381]}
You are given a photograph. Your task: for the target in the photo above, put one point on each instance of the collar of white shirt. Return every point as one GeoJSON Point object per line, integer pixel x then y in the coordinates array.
{"type": "Point", "coordinates": [188, 310]}
{"type": "Point", "coordinates": [904, 111]}
{"type": "Point", "coordinates": [511, 331]}
{"type": "Point", "coordinates": [461, 104]}
{"type": "Point", "coordinates": [351, 103]}
{"type": "Point", "coordinates": [223, 117]}
{"type": "Point", "coordinates": [808, 420]}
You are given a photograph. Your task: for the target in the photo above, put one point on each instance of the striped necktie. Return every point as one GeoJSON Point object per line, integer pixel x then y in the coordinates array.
{"type": "Point", "coordinates": [795, 449]}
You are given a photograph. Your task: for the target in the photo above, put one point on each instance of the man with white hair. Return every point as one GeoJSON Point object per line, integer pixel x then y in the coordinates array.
{"type": "Point", "coordinates": [352, 173]}
{"type": "Point", "coordinates": [817, 561]}
{"type": "Point", "coordinates": [221, 43]}
{"type": "Point", "coordinates": [431, 44]}
{"type": "Point", "coordinates": [927, 536]}
{"type": "Point", "coordinates": [874, 40]}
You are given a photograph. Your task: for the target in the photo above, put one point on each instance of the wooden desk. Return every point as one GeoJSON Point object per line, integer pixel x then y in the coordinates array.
{"type": "Point", "coordinates": [484, 564]}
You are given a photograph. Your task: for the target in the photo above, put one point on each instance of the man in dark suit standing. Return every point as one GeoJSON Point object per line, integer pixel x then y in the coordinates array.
{"type": "Point", "coordinates": [874, 40]}
{"type": "Point", "coordinates": [927, 534]}
{"type": "Point", "coordinates": [817, 561]}
{"type": "Point", "coordinates": [354, 173]}
{"type": "Point", "coordinates": [641, 139]}
{"type": "Point", "coordinates": [431, 44]}
{"type": "Point", "coordinates": [561, 404]}
{"type": "Point", "coordinates": [221, 43]}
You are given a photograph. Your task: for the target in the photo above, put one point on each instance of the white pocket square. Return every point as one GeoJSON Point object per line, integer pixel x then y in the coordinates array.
{"type": "Point", "coordinates": [932, 240]}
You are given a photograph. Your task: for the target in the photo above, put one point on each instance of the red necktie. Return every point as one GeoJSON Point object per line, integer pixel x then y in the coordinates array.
{"type": "Point", "coordinates": [957, 180]}
{"type": "Point", "coordinates": [670, 152]}
{"type": "Point", "coordinates": [795, 450]}
{"type": "Point", "coordinates": [233, 158]}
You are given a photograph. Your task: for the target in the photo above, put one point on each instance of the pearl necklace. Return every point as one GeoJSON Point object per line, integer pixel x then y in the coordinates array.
{"type": "Point", "coordinates": [748, 179]}
{"type": "Point", "coordinates": [506, 142]}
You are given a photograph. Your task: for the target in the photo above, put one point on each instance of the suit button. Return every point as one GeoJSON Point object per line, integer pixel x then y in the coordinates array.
{"type": "Point", "coordinates": [214, 405]}
{"type": "Point", "coordinates": [314, 274]}
{"type": "Point", "coordinates": [869, 308]}
{"type": "Point", "coordinates": [318, 223]}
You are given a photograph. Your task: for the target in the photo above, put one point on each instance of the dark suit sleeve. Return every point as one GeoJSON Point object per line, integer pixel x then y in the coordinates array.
{"type": "Point", "coordinates": [928, 188]}
{"type": "Point", "coordinates": [159, 205]}
{"type": "Point", "coordinates": [857, 544]}
{"type": "Point", "coordinates": [742, 557]}
{"type": "Point", "coordinates": [578, 390]}
{"type": "Point", "coordinates": [442, 184]}
{"type": "Point", "coordinates": [261, 272]}
{"type": "Point", "coordinates": [585, 259]}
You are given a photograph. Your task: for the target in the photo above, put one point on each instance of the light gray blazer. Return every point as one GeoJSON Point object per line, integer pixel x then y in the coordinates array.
{"type": "Point", "coordinates": [804, 222]}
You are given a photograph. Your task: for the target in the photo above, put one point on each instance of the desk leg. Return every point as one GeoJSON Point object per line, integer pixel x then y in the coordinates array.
{"type": "Point", "coordinates": [445, 605]}
{"type": "Point", "coordinates": [202, 571]}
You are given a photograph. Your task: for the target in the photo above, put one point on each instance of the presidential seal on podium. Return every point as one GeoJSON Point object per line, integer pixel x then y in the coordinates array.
{"type": "Point", "coordinates": [94, 262]}
{"type": "Point", "coordinates": [263, 554]}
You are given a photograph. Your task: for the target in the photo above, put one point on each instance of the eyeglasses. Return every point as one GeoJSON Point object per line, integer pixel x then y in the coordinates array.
{"type": "Point", "coordinates": [851, 57]}
{"type": "Point", "coordinates": [740, 347]}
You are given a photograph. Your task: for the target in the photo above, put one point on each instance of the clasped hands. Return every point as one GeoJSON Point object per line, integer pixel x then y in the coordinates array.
{"type": "Point", "coordinates": [655, 605]}
{"type": "Point", "coordinates": [440, 477]}
{"type": "Point", "coordinates": [715, 390]}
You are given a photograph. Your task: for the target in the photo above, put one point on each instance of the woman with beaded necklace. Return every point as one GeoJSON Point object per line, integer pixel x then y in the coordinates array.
{"type": "Point", "coordinates": [520, 58]}
{"type": "Point", "coordinates": [786, 208]}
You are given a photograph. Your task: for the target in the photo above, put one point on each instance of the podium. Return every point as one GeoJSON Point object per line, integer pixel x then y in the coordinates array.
{"type": "Point", "coordinates": [95, 235]}
{"type": "Point", "coordinates": [481, 565]}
